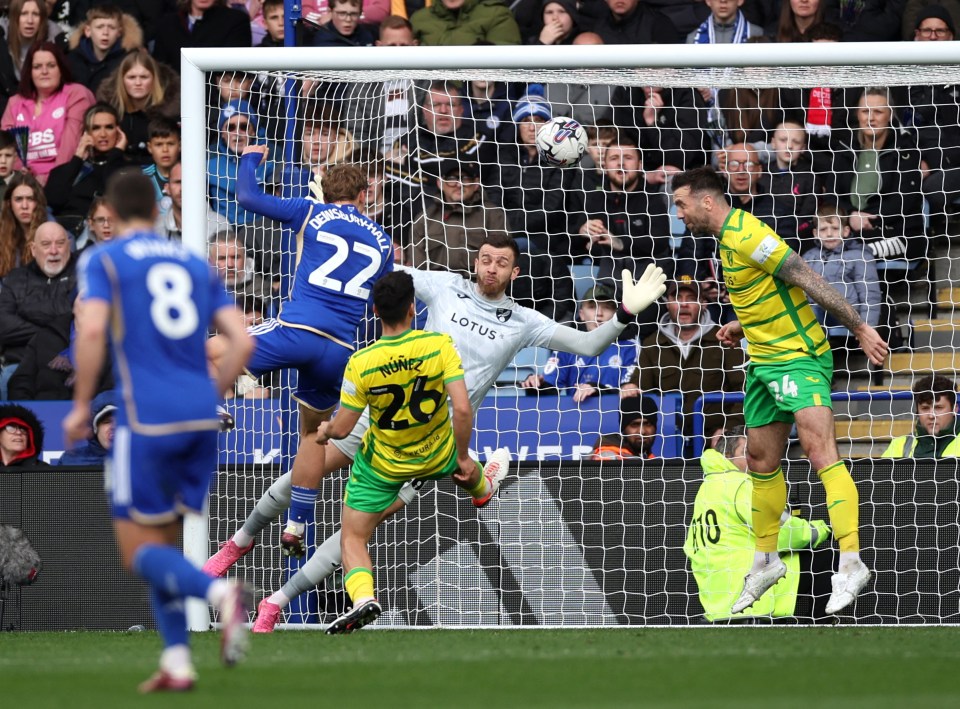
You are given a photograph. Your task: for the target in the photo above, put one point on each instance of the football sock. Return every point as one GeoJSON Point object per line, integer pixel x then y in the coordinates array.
{"type": "Point", "coordinates": [769, 499]}
{"type": "Point", "coordinates": [279, 598]}
{"type": "Point", "coordinates": [303, 504]}
{"type": "Point", "coordinates": [171, 616]}
{"type": "Point", "coordinates": [482, 488]}
{"type": "Point", "coordinates": [359, 584]}
{"type": "Point", "coordinates": [314, 570]}
{"type": "Point", "coordinates": [843, 505]}
{"type": "Point", "coordinates": [176, 660]}
{"type": "Point", "coordinates": [166, 569]}
{"type": "Point", "coordinates": [274, 501]}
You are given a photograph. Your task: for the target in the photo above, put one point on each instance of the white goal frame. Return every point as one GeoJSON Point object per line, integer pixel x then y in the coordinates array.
{"type": "Point", "coordinates": [708, 63]}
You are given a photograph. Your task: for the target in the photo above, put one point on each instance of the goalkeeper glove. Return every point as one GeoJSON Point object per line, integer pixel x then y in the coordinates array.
{"type": "Point", "coordinates": [822, 530]}
{"type": "Point", "coordinates": [637, 296]}
{"type": "Point", "coordinates": [316, 189]}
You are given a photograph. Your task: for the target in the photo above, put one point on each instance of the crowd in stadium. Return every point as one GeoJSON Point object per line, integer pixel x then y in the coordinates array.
{"type": "Point", "coordinates": [858, 181]}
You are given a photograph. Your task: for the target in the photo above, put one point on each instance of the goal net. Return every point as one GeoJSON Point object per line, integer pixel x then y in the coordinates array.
{"type": "Point", "coordinates": [854, 161]}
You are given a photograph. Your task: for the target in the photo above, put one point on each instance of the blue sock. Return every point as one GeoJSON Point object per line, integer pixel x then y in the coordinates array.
{"type": "Point", "coordinates": [303, 504]}
{"type": "Point", "coordinates": [165, 569]}
{"type": "Point", "coordinates": [170, 615]}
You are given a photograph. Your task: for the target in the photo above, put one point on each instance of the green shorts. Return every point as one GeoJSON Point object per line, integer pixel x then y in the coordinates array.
{"type": "Point", "coordinates": [774, 392]}
{"type": "Point", "coordinates": [369, 492]}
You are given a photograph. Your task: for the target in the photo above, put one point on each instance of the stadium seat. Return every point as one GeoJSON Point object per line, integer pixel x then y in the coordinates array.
{"type": "Point", "coordinates": [584, 276]}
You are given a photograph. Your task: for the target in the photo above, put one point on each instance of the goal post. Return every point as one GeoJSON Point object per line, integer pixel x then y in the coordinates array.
{"type": "Point", "coordinates": [559, 564]}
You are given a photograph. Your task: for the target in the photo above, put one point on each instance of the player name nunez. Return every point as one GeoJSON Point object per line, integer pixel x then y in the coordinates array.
{"type": "Point", "coordinates": [400, 365]}
{"type": "Point", "coordinates": [473, 326]}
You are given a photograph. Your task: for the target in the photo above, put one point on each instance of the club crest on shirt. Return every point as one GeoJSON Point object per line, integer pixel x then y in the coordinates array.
{"type": "Point", "coordinates": [462, 295]}
{"type": "Point", "coordinates": [504, 314]}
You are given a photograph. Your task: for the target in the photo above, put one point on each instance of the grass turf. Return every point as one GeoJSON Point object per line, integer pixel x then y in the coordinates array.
{"type": "Point", "coordinates": [704, 667]}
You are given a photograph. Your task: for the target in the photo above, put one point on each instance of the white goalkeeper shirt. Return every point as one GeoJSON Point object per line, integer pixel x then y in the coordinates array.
{"type": "Point", "coordinates": [489, 333]}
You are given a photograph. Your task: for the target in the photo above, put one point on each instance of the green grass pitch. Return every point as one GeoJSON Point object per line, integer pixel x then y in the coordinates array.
{"type": "Point", "coordinates": [705, 668]}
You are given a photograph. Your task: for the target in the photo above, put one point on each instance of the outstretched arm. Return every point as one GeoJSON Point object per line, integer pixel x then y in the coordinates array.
{"type": "Point", "coordinates": [797, 272]}
{"type": "Point", "coordinates": [251, 197]}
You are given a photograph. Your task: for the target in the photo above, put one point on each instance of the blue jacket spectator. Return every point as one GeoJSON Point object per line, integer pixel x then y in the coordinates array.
{"type": "Point", "coordinates": [95, 450]}
{"type": "Point", "coordinates": [237, 129]}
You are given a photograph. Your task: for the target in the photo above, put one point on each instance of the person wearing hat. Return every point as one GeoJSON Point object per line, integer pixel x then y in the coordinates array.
{"type": "Point", "coordinates": [237, 128]}
{"type": "Point", "coordinates": [21, 436]}
{"type": "Point", "coordinates": [449, 233]}
{"type": "Point", "coordinates": [684, 356]}
{"type": "Point", "coordinates": [638, 430]}
{"type": "Point", "coordinates": [934, 113]}
{"type": "Point", "coordinates": [583, 377]}
{"type": "Point", "coordinates": [95, 450]}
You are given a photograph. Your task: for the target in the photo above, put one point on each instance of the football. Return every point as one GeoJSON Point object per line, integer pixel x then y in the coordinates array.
{"type": "Point", "coordinates": [561, 141]}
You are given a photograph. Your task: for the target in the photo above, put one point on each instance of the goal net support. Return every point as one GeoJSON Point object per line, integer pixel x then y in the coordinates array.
{"type": "Point", "coordinates": [572, 542]}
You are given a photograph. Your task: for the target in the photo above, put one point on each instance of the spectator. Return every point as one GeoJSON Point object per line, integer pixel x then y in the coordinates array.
{"type": "Point", "coordinates": [35, 295]}
{"type": "Point", "coordinates": [844, 264]}
{"type": "Point", "coordinates": [599, 138]}
{"type": "Point", "coordinates": [72, 186]}
{"type": "Point", "coordinates": [141, 89]}
{"type": "Point", "coordinates": [490, 107]}
{"type": "Point", "coordinates": [635, 439]}
{"type": "Point", "coordinates": [541, 201]}
{"type": "Point", "coordinates": [236, 267]}
{"type": "Point", "coordinates": [630, 22]}
{"type": "Point", "coordinates": [465, 22]}
{"type": "Point", "coordinates": [560, 24]}
{"type": "Point", "coordinates": [449, 233]}
{"type": "Point", "coordinates": [99, 226]}
{"type": "Point", "coordinates": [23, 209]}
{"type": "Point", "coordinates": [934, 113]}
{"type": "Point", "coordinates": [26, 24]}
{"type": "Point", "coordinates": [9, 80]}
{"type": "Point", "coordinates": [170, 223]}
{"type": "Point", "coordinates": [797, 17]}
{"type": "Point", "coordinates": [21, 437]}
{"type": "Point", "coordinates": [671, 124]}
{"type": "Point", "coordinates": [792, 184]}
{"type": "Point", "coordinates": [589, 104]}
{"type": "Point", "coordinates": [99, 45]}
{"type": "Point", "coordinates": [238, 129]}
{"type": "Point", "coordinates": [94, 452]}
{"type": "Point", "coordinates": [877, 177]}
{"type": "Point", "coordinates": [344, 28]}
{"type": "Point", "coordinates": [274, 23]}
{"type": "Point", "coordinates": [740, 164]}
{"type": "Point", "coordinates": [625, 227]}
{"type": "Point", "coordinates": [324, 142]}
{"type": "Point", "coordinates": [582, 377]}
{"type": "Point", "coordinates": [871, 20]}
{"type": "Point", "coordinates": [8, 159]}
{"type": "Point", "coordinates": [684, 356]}
{"type": "Point", "coordinates": [720, 541]}
{"type": "Point", "coordinates": [163, 145]}
{"type": "Point", "coordinates": [936, 432]}
{"type": "Point", "coordinates": [44, 373]}
{"type": "Point", "coordinates": [200, 23]}
{"type": "Point", "coordinates": [726, 25]}
{"type": "Point", "coordinates": [50, 107]}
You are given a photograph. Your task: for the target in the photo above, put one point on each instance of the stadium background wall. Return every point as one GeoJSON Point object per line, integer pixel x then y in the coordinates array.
{"type": "Point", "coordinates": [604, 541]}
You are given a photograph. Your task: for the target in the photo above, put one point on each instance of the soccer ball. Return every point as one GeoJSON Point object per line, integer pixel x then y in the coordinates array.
{"type": "Point", "coordinates": [561, 141]}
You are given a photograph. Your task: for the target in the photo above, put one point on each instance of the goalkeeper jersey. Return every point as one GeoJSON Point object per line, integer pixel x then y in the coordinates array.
{"type": "Point", "coordinates": [777, 320]}
{"type": "Point", "coordinates": [403, 380]}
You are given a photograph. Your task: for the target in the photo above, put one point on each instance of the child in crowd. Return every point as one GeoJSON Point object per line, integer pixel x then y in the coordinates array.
{"type": "Point", "coordinates": [98, 46]}
{"type": "Point", "coordinates": [845, 264]}
{"type": "Point", "coordinates": [273, 20]}
{"type": "Point", "coordinates": [583, 377]}
{"type": "Point", "coordinates": [793, 184]}
{"type": "Point", "coordinates": [8, 159]}
{"type": "Point", "coordinates": [163, 145]}
{"type": "Point", "coordinates": [344, 28]}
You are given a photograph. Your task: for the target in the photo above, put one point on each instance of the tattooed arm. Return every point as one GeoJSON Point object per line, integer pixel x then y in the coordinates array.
{"type": "Point", "coordinates": [796, 272]}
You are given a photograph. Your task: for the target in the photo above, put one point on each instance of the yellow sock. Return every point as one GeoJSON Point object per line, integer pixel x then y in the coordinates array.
{"type": "Point", "coordinates": [843, 505]}
{"type": "Point", "coordinates": [769, 499]}
{"type": "Point", "coordinates": [482, 488]}
{"type": "Point", "coordinates": [359, 584]}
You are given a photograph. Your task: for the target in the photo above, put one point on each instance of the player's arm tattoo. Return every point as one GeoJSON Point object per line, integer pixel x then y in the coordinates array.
{"type": "Point", "coordinates": [797, 272]}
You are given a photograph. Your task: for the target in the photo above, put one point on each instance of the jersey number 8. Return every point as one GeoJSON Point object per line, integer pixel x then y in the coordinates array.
{"type": "Point", "coordinates": [172, 310]}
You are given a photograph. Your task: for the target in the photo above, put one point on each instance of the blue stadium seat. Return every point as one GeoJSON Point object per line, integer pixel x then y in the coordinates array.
{"type": "Point", "coordinates": [584, 277]}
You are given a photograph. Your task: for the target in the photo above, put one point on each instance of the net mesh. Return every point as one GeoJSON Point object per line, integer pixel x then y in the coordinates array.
{"type": "Point", "coordinates": [579, 544]}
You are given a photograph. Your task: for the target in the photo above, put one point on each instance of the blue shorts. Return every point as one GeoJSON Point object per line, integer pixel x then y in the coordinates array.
{"type": "Point", "coordinates": [319, 362]}
{"type": "Point", "coordinates": [156, 479]}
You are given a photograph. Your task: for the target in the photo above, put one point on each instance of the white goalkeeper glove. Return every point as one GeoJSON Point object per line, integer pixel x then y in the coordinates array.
{"type": "Point", "coordinates": [316, 189]}
{"type": "Point", "coordinates": [637, 296]}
